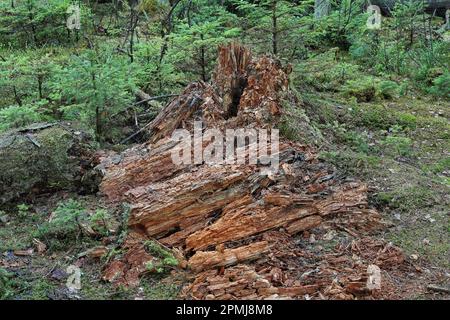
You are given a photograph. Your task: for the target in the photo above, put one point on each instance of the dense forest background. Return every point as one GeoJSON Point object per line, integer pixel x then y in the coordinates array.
{"type": "Point", "coordinates": [49, 72]}
{"type": "Point", "coordinates": [377, 98]}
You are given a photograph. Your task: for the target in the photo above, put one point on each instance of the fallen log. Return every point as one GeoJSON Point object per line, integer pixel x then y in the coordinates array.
{"type": "Point", "coordinates": [42, 157]}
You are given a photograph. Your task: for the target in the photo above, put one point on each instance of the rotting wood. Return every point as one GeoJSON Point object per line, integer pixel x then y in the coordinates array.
{"type": "Point", "coordinates": [222, 216]}
{"type": "Point", "coordinates": [209, 259]}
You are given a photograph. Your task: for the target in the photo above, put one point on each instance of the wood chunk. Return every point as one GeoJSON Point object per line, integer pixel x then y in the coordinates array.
{"type": "Point", "coordinates": [134, 263]}
{"type": "Point", "coordinates": [137, 167]}
{"type": "Point", "coordinates": [202, 260]}
{"type": "Point", "coordinates": [298, 291]}
{"type": "Point", "coordinates": [230, 76]}
{"type": "Point", "coordinates": [241, 281]}
{"type": "Point", "coordinates": [169, 204]}
{"type": "Point", "coordinates": [304, 224]}
{"type": "Point", "coordinates": [176, 111]}
{"type": "Point", "coordinates": [436, 288]}
{"type": "Point", "coordinates": [114, 271]}
{"type": "Point", "coordinates": [243, 222]}
{"type": "Point", "coordinates": [97, 252]}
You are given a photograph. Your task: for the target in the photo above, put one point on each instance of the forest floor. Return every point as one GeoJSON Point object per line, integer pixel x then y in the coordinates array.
{"type": "Point", "coordinates": [400, 147]}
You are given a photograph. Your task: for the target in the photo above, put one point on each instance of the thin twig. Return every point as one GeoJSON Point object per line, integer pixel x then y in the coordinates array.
{"type": "Point", "coordinates": [156, 98]}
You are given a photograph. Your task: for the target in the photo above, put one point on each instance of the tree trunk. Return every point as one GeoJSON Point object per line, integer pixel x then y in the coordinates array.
{"type": "Point", "coordinates": [274, 28]}
{"type": "Point", "coordinates": [321, 8]}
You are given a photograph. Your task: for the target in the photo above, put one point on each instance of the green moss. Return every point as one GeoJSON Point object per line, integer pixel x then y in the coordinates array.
{"type": "Point", "coordinates": [296, 126]}
{"type": "Point", "coordinates": [165, 260]}
{"type": "Point", "coordinates": [407, 120]}
{"type": "Point", "coordinates": [352, 163]}
{"type": "Point", "coordinates": [325, 72]}
{"type": "Point", "coordinates": [16, 236]}
{"type": "Point", "coordinates": [40, 290]}
{"type": "Point", "coordinates": [440, 166]}
{"type": "Point", "coordinates": [437, 247]}
{"type": "Point", "coordinates": [56, 144]}
{"type": "Point", "coordinates": [406, 198]}
{"type": "Point", "coordinates": [161, 291]}
{"type": "Point", "coordinates": [373, 116]}
{"type": "Point", "coordinates": [64, 227]}
{"type": "Point", "coordinates": [398, 146]}
{"type": "Point", "coordinates": [362, 89]}
{"type": "Point", "coordinates": [387, 89]}
{"type": "Point", "coordinates": [37, 159]}
{"type": "Point", "coordinates": [6, 285]}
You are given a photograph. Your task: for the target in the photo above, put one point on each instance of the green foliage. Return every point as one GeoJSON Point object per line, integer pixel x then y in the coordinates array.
{"type": "Point", "coordinates": [93, 81]}
{"type": "Point", "coordinates": [295, 125]}
{"type": "Point", "coordinates": [398, 146]}
{"type": "Point", "coordinates": [388, 89]}
{"type": "Point", "coordinates": [338, 27]}
{"type": "Point", "coordinates": [18, 116]}
{"type": "Point", "coordinates": [106, 258]}
{"type": "Point", "coordinates": [363, 89]}
{"type": "Point", "coordinates": [406, 198]}
{"type": "Point", "coordinates": [25, 77]}
{"type": "Point", "coordinates": [64, 225]}
{"type": "Point", "coordinates": [441, 85]}
{"type": "Point", "coordinates": [26, 23]}
{"type": "Point", "coordinates": [8, 284]}
{"type": "Point", "coordinates": [100, 221]}
{"type": "Point", "coordinates": [258, 20]}
{"type": "Point", "coordinates": [165, 260]}
{"type": "Point", "coordinates": [353, 163]}
{"type": "Point", "coordinates": [93, 87]}
{"type": "Point", "coordinates": [164, 78]}
{"type": "Point", "coordinates": [123, 227]}
{"type": "Point", "coordinates": [40, 290]}
{"type": "Point", "coordinates": [403, 46]}
{"type": "Point", "coordinates": [199, 43]}
{"type": "Point", "coordinates": [327, 71]}
{"type": "Point", "coordinates": [23, 211]}
{"type": "Point", "coordinates": [406, 120]}
{"type": "Point", "coordinates": [153, 7]}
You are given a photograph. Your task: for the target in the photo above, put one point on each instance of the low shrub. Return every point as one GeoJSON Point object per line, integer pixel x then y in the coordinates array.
{"type": "Point", "coordinates": [363, 90]}
{"type": "Point", "coordinates": [64, 226]}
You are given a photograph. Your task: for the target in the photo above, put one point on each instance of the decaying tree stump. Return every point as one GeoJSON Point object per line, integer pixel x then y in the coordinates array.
{"type": "Point", "coordinates": [218, 216]}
